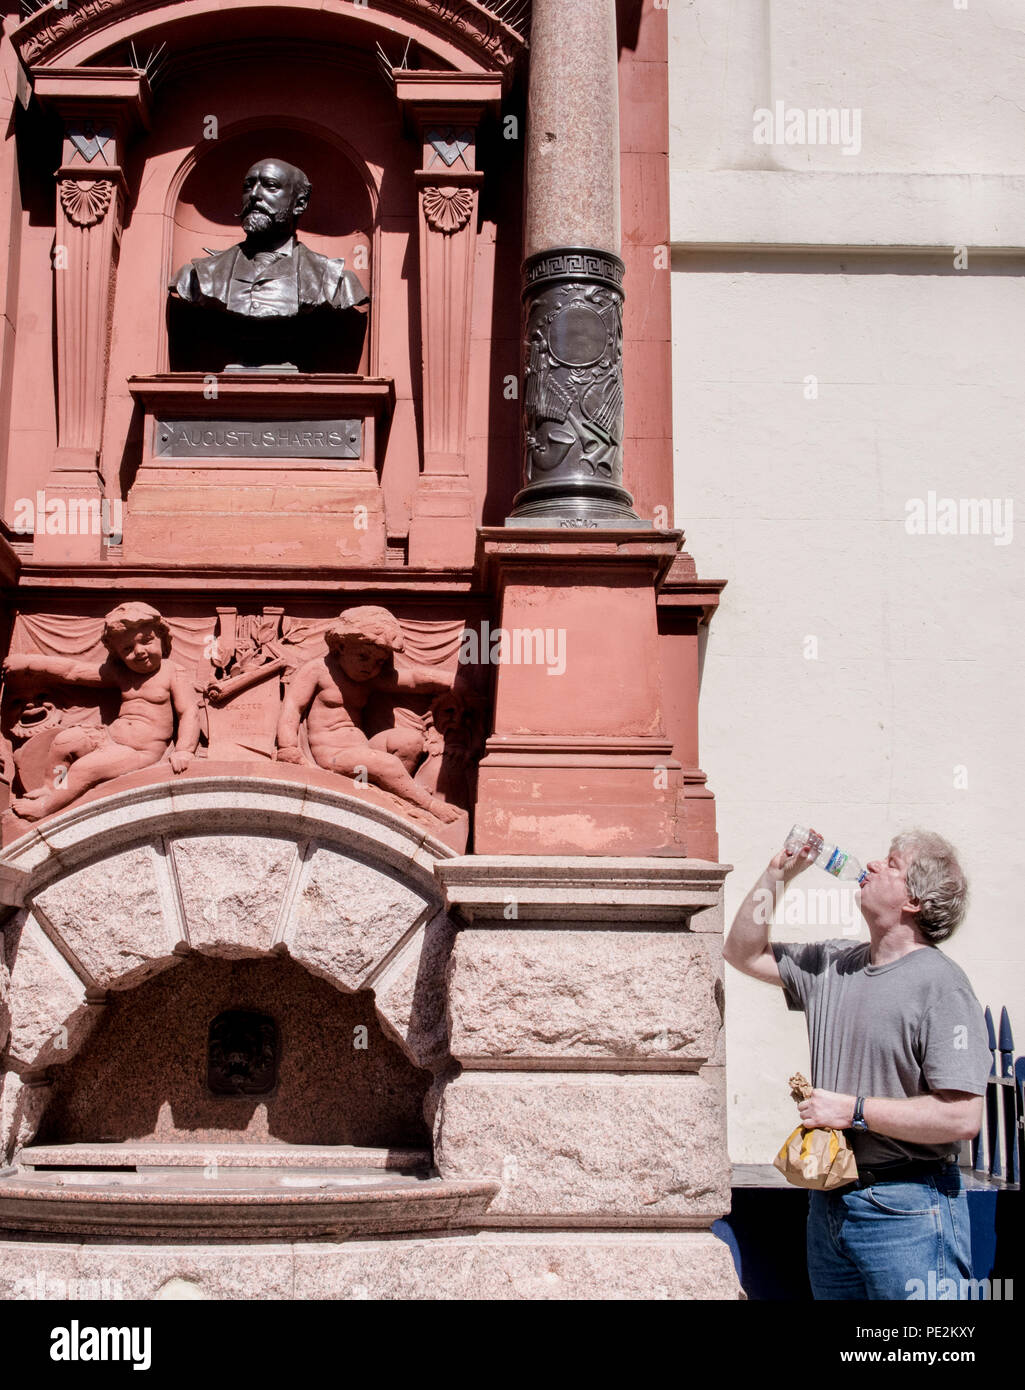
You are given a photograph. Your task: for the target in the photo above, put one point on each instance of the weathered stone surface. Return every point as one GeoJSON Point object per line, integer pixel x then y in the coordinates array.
{"type": "Point", "coordinates": [5, 1004]}
{"type": "Point", "coordinates": [111, 916]}
{"type": "Point", "coordinates": [113, 1272]}
{"type": "Point", "coordinates": [648, 1147]}
{"type": "Point", "coordinates": [490, 1265]}
{"type": "Point", "coordinates": [348, 915]}
{"type": "Point", "coordinates": [21, 1109]}
{"type": "Point", "coordinates": [49, 1013]}
{"type": "Point", "coordinates": [413, 998]}
{"type": "Point", "coordinates": [520, 1265]}
{"type": "Point", "coordinates": [232, 887]}
{"type": "Point", "coordinates": [637, 997]}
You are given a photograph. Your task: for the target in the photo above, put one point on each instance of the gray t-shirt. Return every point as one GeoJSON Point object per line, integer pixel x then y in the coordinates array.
{"type": "Point", "coordinates": [895, 1031]}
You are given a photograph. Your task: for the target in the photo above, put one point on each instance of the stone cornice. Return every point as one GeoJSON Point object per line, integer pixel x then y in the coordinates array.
{"type": "Point", "coordinates": [604, 890]}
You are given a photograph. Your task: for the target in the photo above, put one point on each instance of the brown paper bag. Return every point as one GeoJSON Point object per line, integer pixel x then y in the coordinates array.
{"type": "Point", "coordinates": [818, 1158]}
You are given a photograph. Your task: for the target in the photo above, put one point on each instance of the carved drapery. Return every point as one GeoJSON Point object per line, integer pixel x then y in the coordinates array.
{"type": "Point", "coordinates": [239, 666]}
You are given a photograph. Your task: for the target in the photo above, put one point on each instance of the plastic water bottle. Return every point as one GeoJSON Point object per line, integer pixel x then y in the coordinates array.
{"type": "Point", "coordinates": [832, 858]}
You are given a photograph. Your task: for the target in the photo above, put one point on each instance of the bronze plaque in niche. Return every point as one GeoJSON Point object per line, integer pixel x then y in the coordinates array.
{"type": "Point", "coordinates": [254, 439]}
{"type": "Point", "coordinates": [242, 1058]}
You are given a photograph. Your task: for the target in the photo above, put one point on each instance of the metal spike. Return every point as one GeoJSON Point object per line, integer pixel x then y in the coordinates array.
{"type": "Point", "coordinates": [1006, 1044]}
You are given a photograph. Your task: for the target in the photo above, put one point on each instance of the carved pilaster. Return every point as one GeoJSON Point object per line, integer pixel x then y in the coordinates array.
{"type": "Point", "coordinates": [100, 108]}
{"type": "Point", "coordinates": [85, 265]}
{"type": "Point", "coordinates": [448, 242]}
{"type": "Point", "coordinates": [446, 110]}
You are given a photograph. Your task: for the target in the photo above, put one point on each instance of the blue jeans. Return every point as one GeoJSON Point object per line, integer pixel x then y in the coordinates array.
{"type": "Point", "coordinates": [869, 1242]}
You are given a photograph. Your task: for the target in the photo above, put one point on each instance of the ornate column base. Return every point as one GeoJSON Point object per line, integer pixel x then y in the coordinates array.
{"type": "Point", "coordinates": [573, 393]}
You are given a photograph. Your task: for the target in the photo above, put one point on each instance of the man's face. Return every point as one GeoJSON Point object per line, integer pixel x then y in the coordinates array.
{"type": "Point", "coordinates": [269, 198]}
{"type": "Point", "coordinates": [360, 659]}
{"type": "Point", "coordinates": [141, 650]}
{"type": "Point", "coordinates": [885, 890]}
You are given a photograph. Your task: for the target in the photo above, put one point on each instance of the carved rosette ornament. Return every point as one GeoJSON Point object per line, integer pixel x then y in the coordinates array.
{"type": "Point", "coordinates": [573, 393]}
{"type": "Point", "coordinates": [447, 209]}
{"type": "Point", "coordinates": [85, 201]}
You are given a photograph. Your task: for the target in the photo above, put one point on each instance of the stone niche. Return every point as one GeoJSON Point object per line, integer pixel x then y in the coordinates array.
{"type": "Point", "coordinates": [339, 222]}
{"type": "Point", "coordinates": [262, 442]}
{"type": "Point", "coordinates": [330, 1075]}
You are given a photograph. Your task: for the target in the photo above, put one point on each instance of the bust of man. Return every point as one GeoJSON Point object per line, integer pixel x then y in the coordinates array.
{"type": "Point", "coordinates": [270, 275]}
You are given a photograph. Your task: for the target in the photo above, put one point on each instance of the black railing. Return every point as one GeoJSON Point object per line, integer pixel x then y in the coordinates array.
{"type": "Point", "coordinates": [998, 1151]}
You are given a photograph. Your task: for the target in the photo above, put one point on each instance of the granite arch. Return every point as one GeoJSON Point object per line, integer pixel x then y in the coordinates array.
{"type": "Point", "coordinates": [111, 893]}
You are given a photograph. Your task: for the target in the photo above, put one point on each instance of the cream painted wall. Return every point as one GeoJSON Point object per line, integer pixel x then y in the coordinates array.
{"type": "Point", "coordinates": [846, 274]}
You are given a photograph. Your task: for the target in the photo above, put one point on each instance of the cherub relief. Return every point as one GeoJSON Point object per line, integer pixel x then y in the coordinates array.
{"type": "Point", "coordinates": [332, 693]}
{"type": "Point", "coordinates": [154, 692]}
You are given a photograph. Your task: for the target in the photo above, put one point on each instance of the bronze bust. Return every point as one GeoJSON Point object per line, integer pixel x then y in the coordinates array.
{"type": "Point", "coordinates": [270, 275]}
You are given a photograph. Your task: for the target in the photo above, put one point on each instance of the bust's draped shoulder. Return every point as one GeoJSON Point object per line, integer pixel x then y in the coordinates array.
{"type": "Point", "coordinates": [323, 281]}
{"type": "Point", "coordinates": [206, 279]}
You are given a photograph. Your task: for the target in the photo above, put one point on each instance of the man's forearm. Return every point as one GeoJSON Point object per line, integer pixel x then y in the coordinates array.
{"type": "Point", "coordinates": [917, 1120]}
{"type": "Point", "coordinates": [922, 1119]}
{"type": "Point", "coordinates": [749, 935]}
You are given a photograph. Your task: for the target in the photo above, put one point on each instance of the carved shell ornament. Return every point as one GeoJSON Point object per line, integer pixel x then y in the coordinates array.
{"type": "Point", "coordinates": [85, 200]}
{"type": "Point", "coordinates": [448, 209]}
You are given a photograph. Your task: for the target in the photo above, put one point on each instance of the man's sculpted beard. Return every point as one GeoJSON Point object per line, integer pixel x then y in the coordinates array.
{"type": "Point", "coordinates": [257, 222]}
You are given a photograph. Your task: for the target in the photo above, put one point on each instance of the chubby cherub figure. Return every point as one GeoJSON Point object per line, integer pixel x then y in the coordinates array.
{"type": "Point", "coordinates": [333, 692]}
{"type": "Point", "coordinates": [153, 690]}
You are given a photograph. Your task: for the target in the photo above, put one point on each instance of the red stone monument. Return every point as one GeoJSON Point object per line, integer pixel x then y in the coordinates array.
{"type": "Point", "coordinates": [360, 876]}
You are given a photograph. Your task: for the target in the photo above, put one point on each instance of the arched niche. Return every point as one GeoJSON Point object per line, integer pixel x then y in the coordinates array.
{"type": "Point", "coordinates": [120, 892]}
{"type": "Point", "coordinates": [340, 222]}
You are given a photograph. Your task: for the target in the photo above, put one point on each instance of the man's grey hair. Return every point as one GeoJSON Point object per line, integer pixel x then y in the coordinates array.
{"type": "Point", "coordinates": [936, 880]}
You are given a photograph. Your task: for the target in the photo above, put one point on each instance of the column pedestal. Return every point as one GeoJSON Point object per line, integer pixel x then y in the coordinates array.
{"type": "Point", "coordinates": [579, 761]}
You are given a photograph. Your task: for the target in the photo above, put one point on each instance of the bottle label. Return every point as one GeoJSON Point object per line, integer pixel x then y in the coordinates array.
{"type": "Point", "coordinates": [837, 860]}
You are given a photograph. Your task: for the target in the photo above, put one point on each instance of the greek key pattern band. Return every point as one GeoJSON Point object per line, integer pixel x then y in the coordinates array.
{"type": "Point", "coordinates": [576, 263]}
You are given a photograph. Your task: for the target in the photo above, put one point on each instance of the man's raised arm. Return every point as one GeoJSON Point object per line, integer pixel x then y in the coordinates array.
{"type": "Point", "coordinates": [747, 946]}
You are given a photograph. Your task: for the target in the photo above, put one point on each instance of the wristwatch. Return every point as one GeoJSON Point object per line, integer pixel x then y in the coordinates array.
{"type": "Point", "coordinates": [859, 1114]}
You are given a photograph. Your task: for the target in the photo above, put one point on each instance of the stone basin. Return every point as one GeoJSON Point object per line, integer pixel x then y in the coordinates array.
{"type": "Point", "coordinates": [232, 1192]}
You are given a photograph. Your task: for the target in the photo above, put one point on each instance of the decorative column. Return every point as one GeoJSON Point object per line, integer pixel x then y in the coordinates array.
{"type": "Point", "coordinates": [100, 108]}
{"type": "Point", "coordinates": [445, 110]}
{"type": "Point", "coordinates": [573, 295]}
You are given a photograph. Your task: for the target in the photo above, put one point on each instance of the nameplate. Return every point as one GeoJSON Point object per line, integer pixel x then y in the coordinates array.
{"type": "Point", "coordinates": [254, 439]}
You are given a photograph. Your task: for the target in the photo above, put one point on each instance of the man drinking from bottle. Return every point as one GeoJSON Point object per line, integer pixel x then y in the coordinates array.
{"type": "Point", "coordinates": [899, 1060]}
